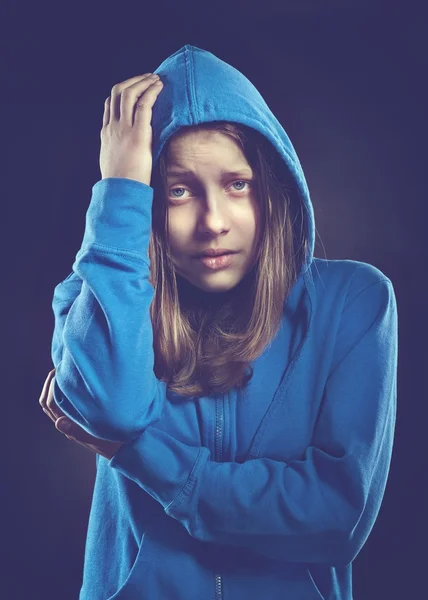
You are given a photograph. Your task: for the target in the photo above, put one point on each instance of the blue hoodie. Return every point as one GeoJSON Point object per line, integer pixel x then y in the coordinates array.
{"type": "Point", "coordinates": [225, 497]}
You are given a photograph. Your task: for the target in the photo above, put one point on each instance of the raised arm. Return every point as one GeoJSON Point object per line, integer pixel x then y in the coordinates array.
{"type": "Point", "coordinates": [102, 346]}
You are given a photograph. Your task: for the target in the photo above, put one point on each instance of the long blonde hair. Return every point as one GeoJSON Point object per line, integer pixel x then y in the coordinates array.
{"type": "Point", "coordinates": [199, 352]}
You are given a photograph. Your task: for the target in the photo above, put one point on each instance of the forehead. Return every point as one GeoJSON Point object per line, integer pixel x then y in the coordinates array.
{"type": "Point", "coordinates": [205, 148]}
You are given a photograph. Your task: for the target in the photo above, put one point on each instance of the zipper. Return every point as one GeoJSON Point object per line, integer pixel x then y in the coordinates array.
{"type": "Point", "coordinates": [218, 589]}
{"type": "Point", "coordinates": [219, 421]}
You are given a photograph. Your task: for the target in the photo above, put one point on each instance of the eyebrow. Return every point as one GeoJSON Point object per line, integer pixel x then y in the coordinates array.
{"type": "Point", "coordinates": [192, 175]}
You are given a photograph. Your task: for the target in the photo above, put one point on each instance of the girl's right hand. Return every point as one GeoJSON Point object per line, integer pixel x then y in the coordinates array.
{"type": "Point", "coordinates": [126, 134]}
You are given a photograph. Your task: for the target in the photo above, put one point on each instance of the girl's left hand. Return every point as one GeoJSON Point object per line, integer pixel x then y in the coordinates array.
{"type": "Point", "coordinates": [69, 428]}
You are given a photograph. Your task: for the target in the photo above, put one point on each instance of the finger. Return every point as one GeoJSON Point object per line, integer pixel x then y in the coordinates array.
{"type": "Point", "coordinates": [76, 434]}
{"type": "Point", "coordinates": [67, 428]}
{"type": "Point", "coordinates": [53, 410]}
{"type": "Point", "coordinates": [134, 93]}
{"type": "Point", "coordinates": [143, 109]}
{"type": "Point", "coordinates": [74, 431]}
{"type": "Point", "coordinates": [106, 115]}
{"type": "Point", "coordinates": [45, 389]}
{"type": "Point", "coordinates": [64, 425]}
{"type": "Point", "coordinates": [116, 93]}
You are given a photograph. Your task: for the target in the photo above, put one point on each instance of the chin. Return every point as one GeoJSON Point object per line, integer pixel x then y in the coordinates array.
{"type": "Point", "coordinates": [217, 288]}
{"type": "Point", "coordinates": [222, 281]}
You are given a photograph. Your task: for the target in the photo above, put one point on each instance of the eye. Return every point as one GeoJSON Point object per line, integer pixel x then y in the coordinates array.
{"type": "Point", "coordinates": [240, 181]}
{"type": "Point", "coordinates": [175, 189]}
{"type": "Point", "coordinates": [178, 189]}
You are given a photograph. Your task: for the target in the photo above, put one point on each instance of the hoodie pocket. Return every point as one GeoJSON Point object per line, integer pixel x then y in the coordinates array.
{"type": "Point", "coordinates": [133, 587]}
{"type": "Point", "coordinates": [320, 596]}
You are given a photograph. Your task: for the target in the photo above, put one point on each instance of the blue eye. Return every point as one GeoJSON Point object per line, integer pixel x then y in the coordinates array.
{"type": "Point", "coordinates": [183, 190]}
{"type": "Point", "coordinates": [239, 181]}
{"type": "Point", "coordinates": [175, 189]}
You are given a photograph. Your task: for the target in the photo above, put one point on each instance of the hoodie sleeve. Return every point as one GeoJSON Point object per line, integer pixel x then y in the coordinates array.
{"type": "Point", "coordinates": [102, 346]}
{"type": "Point", "coordinates": [318, 509]}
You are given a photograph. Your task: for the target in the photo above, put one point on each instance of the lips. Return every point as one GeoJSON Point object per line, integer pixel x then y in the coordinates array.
{"type": "Point", "coordinates": [217, 262]}
{"type": "Point", "coordinates": [213, 254]}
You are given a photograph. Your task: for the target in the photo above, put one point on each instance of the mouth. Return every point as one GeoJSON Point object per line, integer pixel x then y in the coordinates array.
{"type": "Point", "coordinates": [217, 262]}
{"type": "Point", "coordinates": [214, 254]}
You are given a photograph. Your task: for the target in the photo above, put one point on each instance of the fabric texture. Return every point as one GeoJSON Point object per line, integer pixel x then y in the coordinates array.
{"type": "Point", "coordinates": [230, 497]}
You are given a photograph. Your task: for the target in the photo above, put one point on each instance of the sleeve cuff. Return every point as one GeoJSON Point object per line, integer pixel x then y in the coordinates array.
{"type": "Point", "coordinates": [119, 215]}
{"type": "Point", "coordinates": [165, 468]}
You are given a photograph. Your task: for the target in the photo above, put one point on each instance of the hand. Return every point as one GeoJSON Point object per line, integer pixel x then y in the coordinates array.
{"type": "Point", "coordinates": [126, 135]}
{"type": "Point", "coordinates": [69, 428]}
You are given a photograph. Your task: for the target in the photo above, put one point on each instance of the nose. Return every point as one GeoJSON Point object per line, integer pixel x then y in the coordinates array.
{"type": "Point", "coordinates": [213, 215]}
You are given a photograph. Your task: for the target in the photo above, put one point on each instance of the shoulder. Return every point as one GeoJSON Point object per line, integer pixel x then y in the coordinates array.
{"type": "Point", "coordinates": [353, 296]}
{"type": "Point", "coordinates": [336, 284]}
{"type": "Point", "coordinates": [347, 275]}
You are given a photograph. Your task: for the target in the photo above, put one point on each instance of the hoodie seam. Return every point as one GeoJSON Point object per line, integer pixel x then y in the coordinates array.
{"type": "Point", "coordinates": [190, 79]}
{"type": "Point", "coordinates": [112, 250]}
{"type": "Point", "coordinates": [191, 480]}
{"type": "Point", "coordinates": [349, 301]}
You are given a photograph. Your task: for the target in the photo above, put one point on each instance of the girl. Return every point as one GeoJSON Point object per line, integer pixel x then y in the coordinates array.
{"type": "Point", "coordinates": [241, 408]}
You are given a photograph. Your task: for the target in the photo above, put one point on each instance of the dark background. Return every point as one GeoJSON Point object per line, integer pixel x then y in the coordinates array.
{"type": "Point", "coordinates": [347, 82]}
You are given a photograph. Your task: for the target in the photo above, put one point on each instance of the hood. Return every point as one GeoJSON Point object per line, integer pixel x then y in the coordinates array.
{"type": "Point", "coordinates": [198, 88]}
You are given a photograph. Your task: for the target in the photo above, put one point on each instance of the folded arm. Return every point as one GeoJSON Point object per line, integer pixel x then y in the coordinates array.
{"type": "Point", "coordinates": [319, 509]}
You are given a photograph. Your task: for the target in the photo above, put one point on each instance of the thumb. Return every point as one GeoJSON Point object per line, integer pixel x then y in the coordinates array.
{"type": "Point", "coordinates": [64, 425]}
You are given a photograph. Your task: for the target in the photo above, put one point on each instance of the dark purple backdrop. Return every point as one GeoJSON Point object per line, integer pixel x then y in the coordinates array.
{"type": "Point", "coordinates": [348, 85]}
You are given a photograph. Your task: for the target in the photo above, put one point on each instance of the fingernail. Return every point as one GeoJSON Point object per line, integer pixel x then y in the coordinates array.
{"type": "Point", "coordinates": [65, 426]}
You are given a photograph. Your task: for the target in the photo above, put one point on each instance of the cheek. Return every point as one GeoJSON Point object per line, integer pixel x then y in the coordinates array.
{"type": "Point", "coordinates": [177, 234]}
{"type": "Point", "coordinates": [256, 222]}
{"type": "Point", "coordinates": [249, 224]}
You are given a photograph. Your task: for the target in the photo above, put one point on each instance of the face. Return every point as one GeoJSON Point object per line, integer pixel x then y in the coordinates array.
{"type": "Point", "coordinates": [213, 205]}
